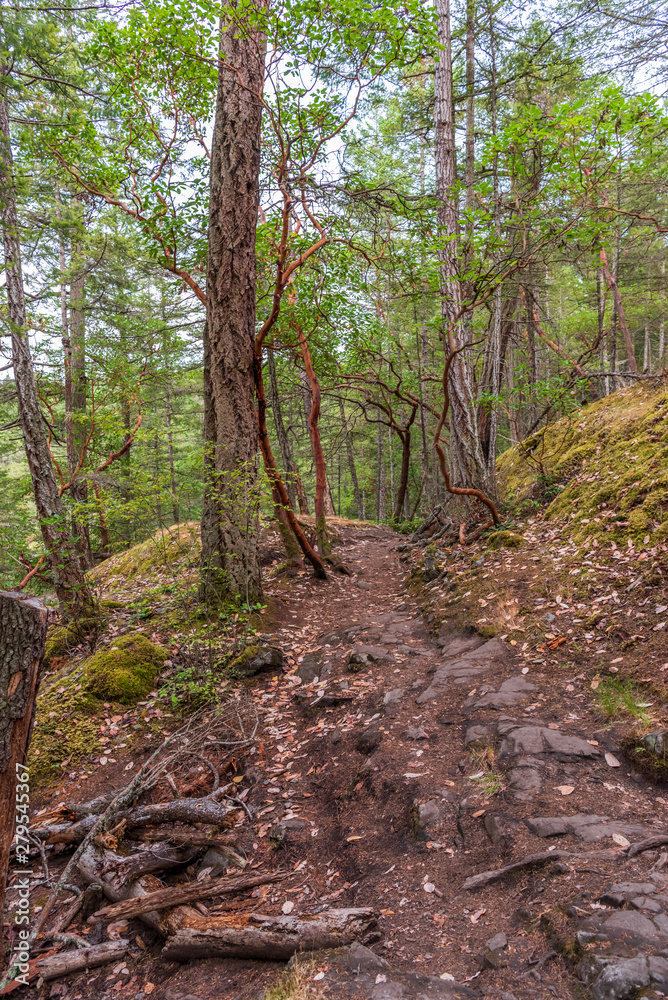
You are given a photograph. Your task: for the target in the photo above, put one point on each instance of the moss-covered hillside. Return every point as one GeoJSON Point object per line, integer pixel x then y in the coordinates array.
{"type": "Point", "coordinates": [605, 467]}
{"type": "Point", "coordinates": [170, 554]}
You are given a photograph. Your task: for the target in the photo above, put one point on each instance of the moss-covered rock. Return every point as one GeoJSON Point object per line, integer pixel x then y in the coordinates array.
{"type": "Point", "coordinates": [62, 640]}
{"type": "Point", "coordinates": [176, 548]}
{"type": "Point", "coordinates": [504, 540]}
{"type": "Point", "coordinates": [125, 671]}
{"type": "Point", "coordinates": [256, 660]}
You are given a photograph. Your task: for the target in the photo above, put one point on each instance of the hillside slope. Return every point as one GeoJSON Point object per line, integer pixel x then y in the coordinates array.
{"type": "Point", "coordinates": [606, 468]}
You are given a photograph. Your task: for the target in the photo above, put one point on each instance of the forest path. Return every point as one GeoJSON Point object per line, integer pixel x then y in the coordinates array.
{"type": "Point", "coordinates": [391, 781]}
{"type": "Point", "coordinates": [394, 764]}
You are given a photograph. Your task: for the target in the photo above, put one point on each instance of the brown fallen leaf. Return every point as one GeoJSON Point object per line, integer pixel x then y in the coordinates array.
{"type": "Point", "coordinates": [478, 914]}
{"type": "Point", "coordinates": [565, 789]}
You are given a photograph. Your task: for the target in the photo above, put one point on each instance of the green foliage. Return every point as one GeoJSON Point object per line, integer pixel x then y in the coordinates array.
{"type": "Point", "coordinates": [615, 695]}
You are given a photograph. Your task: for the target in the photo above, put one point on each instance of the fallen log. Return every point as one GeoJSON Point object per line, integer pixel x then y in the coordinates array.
{"type": "Point", "coordinates": [180, 811]}
{"type": "Point", "coordinates": [81, 958]}
{"type": "Point", "coordinates": [174, 895]}
{"type": "Point", "coordinates": [273, 938]}
{"type": "Point", "coordinates": [533, 860]}
{"type": "Point", "coordinates": [158, 858]}
{"type": "Point", "coordinates": [96, 865]}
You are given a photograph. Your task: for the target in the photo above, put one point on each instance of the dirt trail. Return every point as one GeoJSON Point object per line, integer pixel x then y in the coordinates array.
{"type": "Point", "coordinates": [394, 765]}
{"type": "Point", "coordinates": [442, 759]}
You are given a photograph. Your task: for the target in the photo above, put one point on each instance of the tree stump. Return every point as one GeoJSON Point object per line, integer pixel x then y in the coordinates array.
{"type": "Point", "coordinates": [22, 637]}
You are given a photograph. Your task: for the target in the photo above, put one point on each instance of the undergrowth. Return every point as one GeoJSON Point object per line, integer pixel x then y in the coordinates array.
{"type": "Point", "coordinates": [615, 695]}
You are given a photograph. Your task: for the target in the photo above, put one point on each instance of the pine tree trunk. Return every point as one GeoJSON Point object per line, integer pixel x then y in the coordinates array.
{"type": "Point", "coordinates": [230, 559]}
{"type": "Point", "coordinates": [466, 462]}
{"type": "Point", "coordinates": [23, 622]}
{"type": "Point", "coordinates": [74, 595]}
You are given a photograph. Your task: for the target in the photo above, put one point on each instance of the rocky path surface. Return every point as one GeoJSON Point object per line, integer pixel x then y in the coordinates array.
{"type": "Point", "coordinates": [401, 765]}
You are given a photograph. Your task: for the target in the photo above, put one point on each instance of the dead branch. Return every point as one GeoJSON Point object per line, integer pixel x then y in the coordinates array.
{"type": "Point", "coordinates": [533, 860]}
{"type": "Point", "coordinates": [646, 845]}
{"type": "Point", "coordinates": [174, 895]}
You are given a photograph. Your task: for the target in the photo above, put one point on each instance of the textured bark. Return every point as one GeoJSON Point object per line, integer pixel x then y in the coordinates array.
{"type": "Point", "coordinates": [76, 442]}
{"type": "Point", "coordinates": [22, 636]}
{"type": "Point", "coordinates": [174, 895]}
{"type": "Point", "coordinates": [351, 463]}
{"type": "Point", "coordinates": [274, 938]}
{"type": "Point", "coordinates": [82, 958]}
{"type": "Point", "coordinates": [466, 461]}
{"type": "Point", "coordinates": [230, 560]}
{"type": "Point", "coordinates": [76, 600]}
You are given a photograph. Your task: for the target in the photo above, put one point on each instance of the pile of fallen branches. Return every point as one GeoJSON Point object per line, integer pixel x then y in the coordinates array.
{"type": "Point", "coordinates": [178, 812]}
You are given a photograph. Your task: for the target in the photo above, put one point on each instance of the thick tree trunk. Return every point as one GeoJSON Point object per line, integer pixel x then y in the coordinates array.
{"type": "Point", "coordinates": [74, 595]}
{"type": "Point", "coordinates": [351, 462]}
{"type": "Point", "coordinates": [466, 461]}
{"type": "Point", "coordinates": [23, 623]}
{"type": "Point", "coordinates": [324, 544]}
{"type": "Point", "coordinates": [230, 560]}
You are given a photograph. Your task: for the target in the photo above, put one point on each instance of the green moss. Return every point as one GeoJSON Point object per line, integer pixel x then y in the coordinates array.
{"type": "Point", "coordinates": [66, 729]}
{"type": "Point", "coordinates": [62, 640]}
{"type": "Point", "coordinates": [608, 466]}
{"type": "Point", "coordinates": [504, 540]}
{"type": "Point", "coordinates": [176, 548]}
{"type": "Point", "coordinates": [125, 671]}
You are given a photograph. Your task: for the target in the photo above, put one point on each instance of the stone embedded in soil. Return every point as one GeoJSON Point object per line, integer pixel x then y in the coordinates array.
{"type": "Point", "coordinates": [416, 733]}
{"type": "Point", "coordinates": [464, 667]}
{"type": "Point", "coordinates": [391, 700]}
{"type": "Point", "coordinates": [539, 739]}
{"type": "Point", "coordinates": [312, 666]}
{"type": "Point", "coordinates": [499, 940]}
{"type": "Point", "coordinates": [361, 585]}
{"type": "Point", "coordinates": [363, 656]}
{"type": "Point", "coordinates": [434, 817]}
{"type": "Point", "coordinates": [500, 828]}
{"type": "Point", "coordinates": [478, 733]}
{"type": "Point", "coordinates": [512, 692]}
{"type": "Point", "coordinates": [525, 780]}
{"type": "Point", "coordinates": [454, 644]}
{"type": "Point", "coordinates": [588, 827]}
{"type": "Point", "coordinates": [368, 740]}
{"type": "Point", "coordinates": [282, 830]}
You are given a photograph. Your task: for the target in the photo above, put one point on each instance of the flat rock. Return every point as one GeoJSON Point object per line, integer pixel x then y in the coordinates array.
{"type": "Point", "coordinates": [512, 692]}
{"type": "Point", "coordinates": [525, 782]}
{"type": "Point", "coordinates": [456, 643]}
{"type": "Point", "coordinates": [416, 733]}
{"type": "Point", "coordinates": [363, 656]}
{"type": "Point", "coordinates": [540, 739]}
{"type": "Point", "coordinates": [478, 733]}
{"type": "Point", "coordinates": [500, 828]}
{"type": "Point", "coordinates": [312, 666]}
{"type": "Point", "coordinates": [464, 667]}
{"type": "Point", "coordinates": [393, 697]}
{"type": "Point", "coordinates": [584, 825]}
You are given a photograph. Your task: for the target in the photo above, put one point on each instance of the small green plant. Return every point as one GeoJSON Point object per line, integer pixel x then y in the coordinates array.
{"type": "Point", "coordinates": [295, 984]}
{"type": "Point", "coordinates": [489, 780]}
{"type": "Point", "coordinates": [615, 695]}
